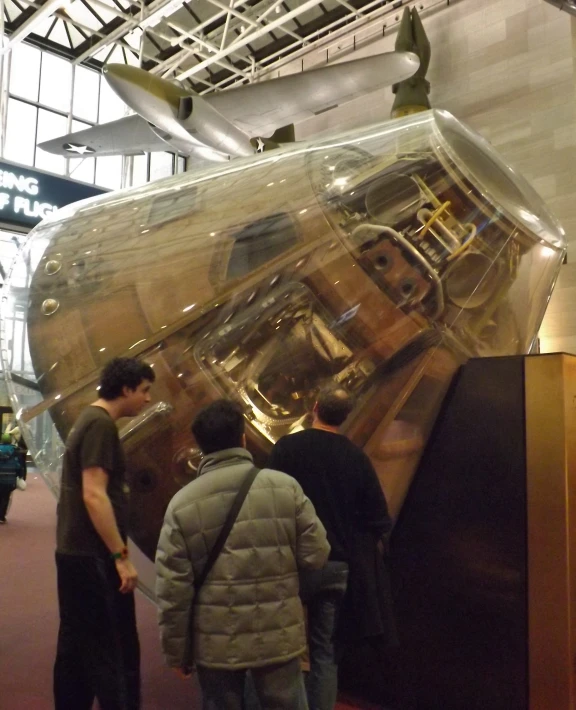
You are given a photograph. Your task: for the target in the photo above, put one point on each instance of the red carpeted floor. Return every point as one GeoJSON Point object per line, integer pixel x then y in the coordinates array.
{"type": "Point", "coordinates": [29, 615]}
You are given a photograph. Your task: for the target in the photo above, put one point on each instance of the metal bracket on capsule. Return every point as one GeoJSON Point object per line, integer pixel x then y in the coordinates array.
{"type": "Point", "coordinates": [382, 229]}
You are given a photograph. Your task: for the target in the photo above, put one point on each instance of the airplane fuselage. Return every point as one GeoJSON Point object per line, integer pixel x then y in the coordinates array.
{"type": "Point", "coordinates": [180, 118]}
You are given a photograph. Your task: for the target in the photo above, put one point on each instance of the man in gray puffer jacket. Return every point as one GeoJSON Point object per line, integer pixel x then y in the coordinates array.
{"type": "Point", "coordinates": [248, 613]}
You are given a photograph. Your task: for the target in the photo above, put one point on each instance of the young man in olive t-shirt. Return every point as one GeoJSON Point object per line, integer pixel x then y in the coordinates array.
{"type": "Point", "coordinates": [98, 652]}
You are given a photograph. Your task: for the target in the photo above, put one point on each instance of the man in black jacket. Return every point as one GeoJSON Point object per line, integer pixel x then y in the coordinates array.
{"type": "Point", "coordinates": [341, 482]}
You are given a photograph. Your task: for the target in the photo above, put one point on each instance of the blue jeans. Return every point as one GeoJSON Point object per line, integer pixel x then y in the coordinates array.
{"type": "Point", "coordinates": [322, 591]}
{"type": "Point", "coordinates": [278, 687]}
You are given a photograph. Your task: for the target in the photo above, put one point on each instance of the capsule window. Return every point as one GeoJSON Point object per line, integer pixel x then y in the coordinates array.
{"type": "Point", "coordinates": [259, 243]}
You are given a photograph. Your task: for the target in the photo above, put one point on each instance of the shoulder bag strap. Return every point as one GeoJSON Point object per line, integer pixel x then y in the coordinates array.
{"type": "Point", "coordinates": [227, 527]}
{"type": "Point", "coordinates": [213, 556]}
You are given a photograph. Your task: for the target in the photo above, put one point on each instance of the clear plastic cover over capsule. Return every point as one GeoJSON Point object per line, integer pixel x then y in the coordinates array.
{"type": "Point", "coordinates": [380, 259]}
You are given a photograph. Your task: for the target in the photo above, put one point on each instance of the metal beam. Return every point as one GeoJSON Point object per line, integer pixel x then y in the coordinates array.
{"type": "Point", "coordinates": [181, 56]}
{"type": "Point", "coordinates": [250, 37]}
{"type": "Point", "coordinates": [230, 11]}
{"type": "Point", "coordinates": [229, 14]}
{"type": "Point", "coordinates": [185, 33]}
{"type": "Point", "coordinates": [377, 12]}
{"type": "Point", "coordinates": [49, 7]}
{"type": "Point", "coordinates": [203, 43]}
{"type": "Point", "coordinates": [110, 8]}
{"type": "Point", "coordinates": [265, 14]}
{"type": "Point", "coordinates": [349, 7]}
{"type": "Point", "coordinates": [251, 17]}
{"type": "Point", "coordinates": [278, 3]}
{"type": "Point", "coordinates": [63, 15]}
{"type": "Point", "coordinates": [225, 65]}
{"type": "Point", "coordinates": [315, 38]}
{"type": "Point", "coordinates": [341, 26]}
{"type": "Point", "coordinates": [171, 60]}
{"type": "Point", "coordinates": [257, 19]}
{"type": "Point", "coordinates": [120, 31]}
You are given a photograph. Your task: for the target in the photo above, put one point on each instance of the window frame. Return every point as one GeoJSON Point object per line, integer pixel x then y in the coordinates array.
{"type": "Point", "coordinates": [178, 161]}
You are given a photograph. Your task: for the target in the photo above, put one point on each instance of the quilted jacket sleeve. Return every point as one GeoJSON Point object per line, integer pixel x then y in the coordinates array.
{"type": "Point", "coordinates": [174, 589]}
{"type": "Point", "coordinates": [312, 547]}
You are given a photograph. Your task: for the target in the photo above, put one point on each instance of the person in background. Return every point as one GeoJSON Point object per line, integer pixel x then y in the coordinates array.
{"type": "Point", "coordinates": [18, 441]}
{"type": "Point", "coordinates": [248, 614]}
{"type": "Point", "coordinates": [22, 448]}
{"type": "Point", "coordinates": [10, 474]}
{"type": "Point", "coordinates": [98, 654]}
{"type": "Point", "coordinates": [341, 482]}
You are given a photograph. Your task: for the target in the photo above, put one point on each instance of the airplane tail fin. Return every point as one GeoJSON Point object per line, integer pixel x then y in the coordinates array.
{"type": "Point", "coordinates": [411, 95]}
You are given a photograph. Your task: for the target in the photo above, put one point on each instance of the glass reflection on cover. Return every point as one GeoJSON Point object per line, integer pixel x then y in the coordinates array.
{"type": "Point", "coordinates": [380, 259]}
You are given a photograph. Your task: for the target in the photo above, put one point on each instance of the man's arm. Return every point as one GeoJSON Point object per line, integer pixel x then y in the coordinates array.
{"type": "Point", "coordinates": [281, 458]}
{"type": "Point", "coordinates": [276, 455]}
{"type": "Point", "coordinates": [174, 590]}
{"type": "Point", "coordinates": [312, 546]}
{"type": "Point", "coordinates": [101, 513]}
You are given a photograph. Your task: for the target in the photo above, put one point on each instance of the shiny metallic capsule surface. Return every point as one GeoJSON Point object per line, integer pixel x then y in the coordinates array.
{"type": "Point", "coordinates": [381, 259]}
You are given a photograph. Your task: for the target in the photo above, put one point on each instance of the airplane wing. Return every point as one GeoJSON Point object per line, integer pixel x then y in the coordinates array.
{"type": "Point", "coordinates": [260, 108]}
{"type": "Point", "coordinates": [127, 136]}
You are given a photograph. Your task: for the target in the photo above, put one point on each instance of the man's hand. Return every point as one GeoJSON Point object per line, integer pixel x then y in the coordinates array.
{"type": "Point", "coordinates": [183, 675]}
{"type": "Point", "coordinates": [128, 575]}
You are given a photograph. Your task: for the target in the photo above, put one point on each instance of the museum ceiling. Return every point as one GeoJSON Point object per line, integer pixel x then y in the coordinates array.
{"type": "Point", "coordinates": [207, 44]}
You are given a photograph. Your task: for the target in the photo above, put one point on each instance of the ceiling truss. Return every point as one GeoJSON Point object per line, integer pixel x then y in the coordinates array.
{"type": "Point", "coordinates": [205, 44]}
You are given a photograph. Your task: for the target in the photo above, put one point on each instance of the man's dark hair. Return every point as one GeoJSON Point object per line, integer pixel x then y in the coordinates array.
{"type": "Point", "coordinates": [334, 404]}
{"type": "Point", "coordinates": [219, 426]}
{"type": "Point", "coordinates": [123, 372]}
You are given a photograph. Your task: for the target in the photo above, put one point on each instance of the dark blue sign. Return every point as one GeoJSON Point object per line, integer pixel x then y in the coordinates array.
{"type": "Point", "coordinates": [27, 195]}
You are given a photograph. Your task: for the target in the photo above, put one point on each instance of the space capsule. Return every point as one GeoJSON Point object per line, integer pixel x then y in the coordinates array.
{"type": "Point", "coordinates": [380, 259]}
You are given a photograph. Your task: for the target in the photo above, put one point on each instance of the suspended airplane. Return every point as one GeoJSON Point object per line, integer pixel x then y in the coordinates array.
{"type": "Point", "coordinates": [230, 123]}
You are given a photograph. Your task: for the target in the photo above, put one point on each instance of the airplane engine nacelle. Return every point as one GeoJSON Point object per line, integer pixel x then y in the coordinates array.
{"type": "Point", "coordinates": [211, 128]}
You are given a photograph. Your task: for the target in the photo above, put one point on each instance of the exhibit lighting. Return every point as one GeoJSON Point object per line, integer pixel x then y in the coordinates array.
{"type": "Point", "coordinates": [566, 5]}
